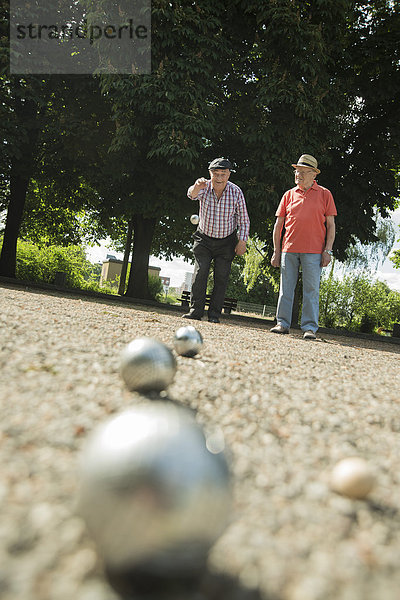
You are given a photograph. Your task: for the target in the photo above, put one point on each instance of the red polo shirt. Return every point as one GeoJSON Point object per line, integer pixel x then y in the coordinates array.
{"type": "Point", "coordinates": [305, 215]}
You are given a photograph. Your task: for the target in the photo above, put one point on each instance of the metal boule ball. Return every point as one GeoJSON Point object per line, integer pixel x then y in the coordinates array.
{"type": "Point", "coordinates": [187, 341]}
{"type": "Point", "coordinates": [147, 365]}
{"type": "Point", "coordinates": [194, 219]}
{"type": "Point", "coordinates": [153, 496]}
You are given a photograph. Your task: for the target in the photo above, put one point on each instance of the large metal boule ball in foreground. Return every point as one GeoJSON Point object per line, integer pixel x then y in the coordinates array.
{"type": "Point", "coordinates": [152, 494]}
{"type": "Point", "coordinates": [147, 365]}
{"type": "Point", "coordinates": [194, 219]}
{"type": "Point", "coordinates": [187, 341]}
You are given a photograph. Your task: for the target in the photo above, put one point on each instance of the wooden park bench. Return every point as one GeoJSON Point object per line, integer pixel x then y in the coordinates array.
{"type": "Point", "coordinates": [229, 303]}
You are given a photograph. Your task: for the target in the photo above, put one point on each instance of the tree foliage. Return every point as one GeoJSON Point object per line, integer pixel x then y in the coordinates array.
{"type": "Point", "coordinates": [257, 264]}
{"type": "Point", "coordinates": [42, 263]}
{"type": "Point", "coordinates": [357, 303]}
{"type": "Point", "coordinates": [261, 290]}
{"type": "Point", "coordinates": [260, 82]}
{"type": "Point", "coordinates": [368, 257]}
{"type": "Point", "coordinates": [21, 112]}
{"type": "Point", "coordinates": [162, 121]}
{"type": "Point", "coordinates": [364, 166]}
{"type": "Point", "coordinates": [395, 258]}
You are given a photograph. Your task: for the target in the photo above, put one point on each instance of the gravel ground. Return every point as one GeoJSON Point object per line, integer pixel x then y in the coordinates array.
{"type": "Point", "coordinates": [289, 410]}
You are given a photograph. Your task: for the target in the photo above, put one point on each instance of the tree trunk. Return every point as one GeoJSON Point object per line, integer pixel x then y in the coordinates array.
{"type": "Point", "coordinates": [127, 251]}
{"type": "Point", "coordinates": [8, 258]}
{"type": "Point", "coordinates": [20, 175]}
{"type": "Point", "coordinates": [143, 231]}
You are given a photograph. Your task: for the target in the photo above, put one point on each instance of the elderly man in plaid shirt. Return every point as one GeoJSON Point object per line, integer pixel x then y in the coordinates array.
{"type": "Point", "coordinates": [222, 232]}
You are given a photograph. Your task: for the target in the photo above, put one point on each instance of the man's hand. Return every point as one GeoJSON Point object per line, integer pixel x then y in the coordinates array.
{"type": "Point", "coordinates": [325, 259]}
{"type": "Point", "coordinates": [199, 184]}
{"type": "Point", "coordinates": [240, 248]}
{"type": "Point", "coordinates": [276, 259]}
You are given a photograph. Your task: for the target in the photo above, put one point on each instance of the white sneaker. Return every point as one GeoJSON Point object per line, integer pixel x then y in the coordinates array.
{"type": "Point", "coordinates": [309, 335]}
{"type": "Point", "coordinates": [279, 329]}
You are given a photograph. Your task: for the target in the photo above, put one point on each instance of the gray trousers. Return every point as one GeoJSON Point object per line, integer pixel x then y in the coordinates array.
{"type": "Point", "coordinates": [205, 250]}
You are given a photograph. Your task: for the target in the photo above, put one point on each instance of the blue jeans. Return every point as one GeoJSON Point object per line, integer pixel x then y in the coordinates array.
{"type": "Point", "coordinates": [311, 268]}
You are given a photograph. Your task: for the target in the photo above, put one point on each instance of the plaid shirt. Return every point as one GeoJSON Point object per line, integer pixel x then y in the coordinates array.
{"type": "Point", "coordinates": [220, 218]}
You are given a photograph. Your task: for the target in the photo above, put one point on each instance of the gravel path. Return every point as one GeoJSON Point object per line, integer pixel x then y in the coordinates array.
{"type": "Point", "coordinates": [289, 410]}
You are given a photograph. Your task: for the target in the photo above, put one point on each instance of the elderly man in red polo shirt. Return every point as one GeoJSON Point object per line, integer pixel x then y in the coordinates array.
{"type": "Point", "coordinates": [222, 232]}
{"type": "Point", "coordinates": [308, 213]}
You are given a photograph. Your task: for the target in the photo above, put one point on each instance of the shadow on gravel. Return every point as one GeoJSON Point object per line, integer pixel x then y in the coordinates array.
{"type": "Point", "coordinates": [346, 339]}
{"type": "Point", "coordinates": [391, 512]}
{"type": "Point", "coordinates": [207, 586]}
{"type": "Point", "coordinates": [368, 344]}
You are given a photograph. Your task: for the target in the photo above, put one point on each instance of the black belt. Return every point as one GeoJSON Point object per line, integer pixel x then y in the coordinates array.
{"type": "Point", "coordinates": [215, 238]}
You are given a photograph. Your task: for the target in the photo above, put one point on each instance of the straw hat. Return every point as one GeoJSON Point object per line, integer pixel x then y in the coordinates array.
{"type": "Point", "coordinates": [306, 160]}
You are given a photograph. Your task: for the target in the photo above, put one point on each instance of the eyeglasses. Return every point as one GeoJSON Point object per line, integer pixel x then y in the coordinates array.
{"type": "Point", "coordinates": [302, 171]}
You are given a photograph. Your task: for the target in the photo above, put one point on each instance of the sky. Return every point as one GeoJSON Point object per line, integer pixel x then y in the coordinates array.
{"type": "Point", "coordinates": [177, 268]}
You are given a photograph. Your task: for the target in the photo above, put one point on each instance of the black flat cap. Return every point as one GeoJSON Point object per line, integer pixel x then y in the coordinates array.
{"type": "Point", "coordinates": [220, 163]}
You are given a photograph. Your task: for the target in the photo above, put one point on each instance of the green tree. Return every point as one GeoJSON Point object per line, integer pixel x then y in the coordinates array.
{"type": "Point", "coordinates": [364, 162]}
{"type": "Point", "coordinates": [58, 204]}
{"type": "Point", "coordinates": [259, 292]}
{"type": "Point", "coordinates": [285, 95]}
{"type": "Point", "coordinates": [257, 265]}
{"type": "Point", "coordinates": [222, 81]}
{"type": "Point", "coordinates": [162, 122]}
{"type": "Point", "coordinates": [310, 84]}
{"type": "Point", "coordinates": [369, 256]}
{"type": "Point", "coordinates": [260, 81]}
{"type": "Point", "coordinates": [24, 106]}
{"type": "Point", "coordinates": [38, 263]}
{"type": "Point", "coordinates": [395, 258]}
{"type": "Point", "coordinates": [21, 112]}
{"type": "Point", "coordinates": [52, 127]}
{"type": "Point", "coordinates": [361, 264]}
{"type": "Point", "coordinates": [357, 303]}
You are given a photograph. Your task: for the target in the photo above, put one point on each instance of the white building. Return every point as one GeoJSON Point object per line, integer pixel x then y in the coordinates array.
{"type": "Point", "coordinates": [187, 284]}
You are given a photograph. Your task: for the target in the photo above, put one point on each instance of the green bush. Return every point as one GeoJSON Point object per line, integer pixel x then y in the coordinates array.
{"type": "Point", "coordinates": [43, 263]}
{"type": "Point", "coordinates": [367, 324]}
{"type": "Point", "coordinates": [70, 260]}
{"type": "Point", "coordinates": [105, 288]}
{"type": "Point", "coordinates": [156, 289]}
{"type": "Point", "coordinates": [29, 262]}
{"type": "Point", "coordinates": [170, 299]}
{"type": "Point", "coordinates": [358, 304]}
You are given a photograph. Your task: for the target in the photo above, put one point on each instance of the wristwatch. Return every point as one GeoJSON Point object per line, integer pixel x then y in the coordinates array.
{"type": "Point", "coordinates": [329, 252]}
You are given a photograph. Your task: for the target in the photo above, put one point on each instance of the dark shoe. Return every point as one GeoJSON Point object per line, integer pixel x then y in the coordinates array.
{"type": "Point", "coordinates": [192, 315]}
{"type": "Point", "coordinates": [213, 320]}
{"type": "Point", "coordinates": [279, 329]}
